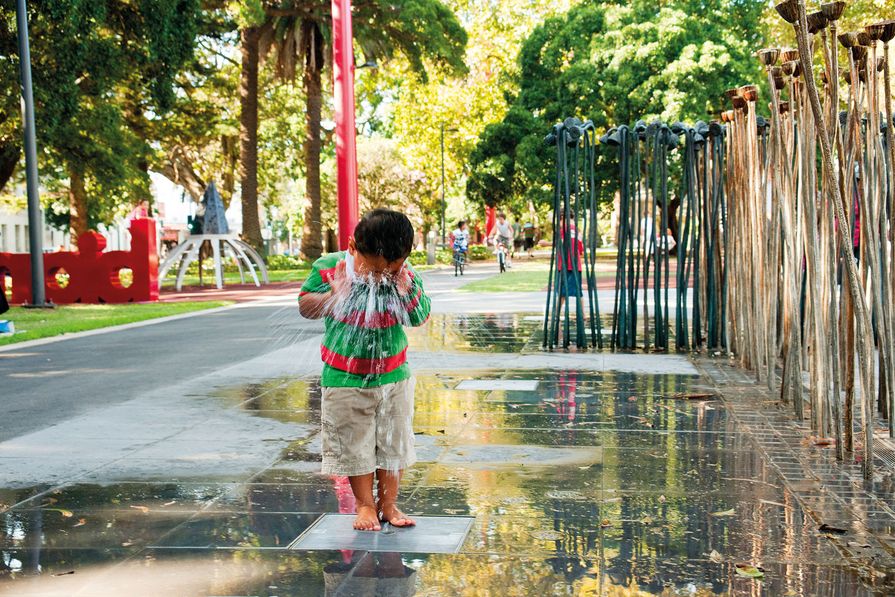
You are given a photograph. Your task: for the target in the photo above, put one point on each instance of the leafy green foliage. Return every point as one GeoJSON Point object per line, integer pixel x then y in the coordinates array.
{"type": "Point", "coordinates": [613, 63]}
{"type": "Point", "coordinates": [284, 262]}
{"type": "Point", "coordinates": [102, 71]}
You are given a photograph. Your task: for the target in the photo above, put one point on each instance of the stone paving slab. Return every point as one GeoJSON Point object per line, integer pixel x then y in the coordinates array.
{"type": "Point", "coordinates": [861, 513]}
{"type": "Point", "coordinates": [431, 534]}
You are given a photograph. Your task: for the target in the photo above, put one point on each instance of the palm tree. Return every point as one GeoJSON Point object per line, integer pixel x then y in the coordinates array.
{"type": "Point", "coordinates": [248, 135]}
{"type": "Point", "coordinates": [296, 33]}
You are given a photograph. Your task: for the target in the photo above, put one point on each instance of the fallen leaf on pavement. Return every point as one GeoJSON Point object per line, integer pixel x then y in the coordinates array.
{"type": "Point", "coordinates": [770, 503]}
{"type": "Point", "coordinates": [723, 513]}
{"type": "Point", "coordinates": [749, 571]}
{"type": "Point", "coordinates": [143, 509]}
{"type": "Point", "coordinates": [81, 522]}
{"type": "Point", "coordinates": [715, 557]}
{"type": "Point", "coordinates": [695, 396]}
{"type": "Point", "coordinates": [605, 523]}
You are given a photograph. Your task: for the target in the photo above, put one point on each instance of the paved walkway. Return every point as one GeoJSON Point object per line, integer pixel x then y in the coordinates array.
{"type": "Point", "coordinates": [231, 292]}
{"type": "Point", "coordinates": [184, 462]}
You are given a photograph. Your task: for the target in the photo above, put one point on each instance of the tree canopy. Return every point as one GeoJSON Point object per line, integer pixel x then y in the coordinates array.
{"type": "Point", "coordinates": [127, 86]}
{"type": "Point", "coordinates": [613, 63]}
{"type": "Point", "coordinates": [102, 71]}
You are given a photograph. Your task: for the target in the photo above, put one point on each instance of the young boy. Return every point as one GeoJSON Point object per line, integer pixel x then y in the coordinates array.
{"type": "Point", "coordinates": [364, 296]}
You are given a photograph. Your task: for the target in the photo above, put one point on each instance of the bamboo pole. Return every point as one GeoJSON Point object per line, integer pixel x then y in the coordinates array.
{"type": "Point", "coordinates": [796, 9]}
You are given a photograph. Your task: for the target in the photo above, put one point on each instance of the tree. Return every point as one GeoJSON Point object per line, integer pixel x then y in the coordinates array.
{"type": "Point", "coordinates": [613, 64]}
{"type": "Point", "coordinates": [101, 70]}
{"type": "Point", "coordinates": [425, 32]}
{"type": "Point", "coordinates": [197, 140]}
{"type": "Point", "coordinates": [465, 104]}
{"type": "Point", "coordinates": [384, 180]}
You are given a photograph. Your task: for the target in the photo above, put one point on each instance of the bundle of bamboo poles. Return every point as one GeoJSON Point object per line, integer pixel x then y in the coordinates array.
{"type": "Point", "coordinates": [811, 238]}
{"type": "Point", "coordinates": [784, 228]}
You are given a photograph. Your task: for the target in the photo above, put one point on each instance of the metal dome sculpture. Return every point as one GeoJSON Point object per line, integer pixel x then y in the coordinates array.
{"type": "Point", "coordinates": [215, 231]}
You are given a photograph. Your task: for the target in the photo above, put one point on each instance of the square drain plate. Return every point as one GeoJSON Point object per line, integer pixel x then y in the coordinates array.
{"type": "Point", "coordinates": [513, 385]}
{"type": "Point", "coordinates": [432, 534]}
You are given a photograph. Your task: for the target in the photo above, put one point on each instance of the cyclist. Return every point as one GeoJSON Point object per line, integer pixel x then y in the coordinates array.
{"type": "Point", "coordinates": [503, 233]}
{"type": "Point", "coordinates": [460, 242]}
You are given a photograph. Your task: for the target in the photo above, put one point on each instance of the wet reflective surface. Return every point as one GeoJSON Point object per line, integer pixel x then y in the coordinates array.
{"type": "Point", "coordinates": [593, 484]}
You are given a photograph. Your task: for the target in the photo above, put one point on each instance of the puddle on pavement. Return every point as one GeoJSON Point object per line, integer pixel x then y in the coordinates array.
{"type": "Point", "coordinates": [594, 483]}
{"type": "Point", "coordinates": [504, 332]}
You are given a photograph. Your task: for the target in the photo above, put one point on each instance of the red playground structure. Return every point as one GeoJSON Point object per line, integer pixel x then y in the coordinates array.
{"type": "Point", "coordinates": [94, 276]}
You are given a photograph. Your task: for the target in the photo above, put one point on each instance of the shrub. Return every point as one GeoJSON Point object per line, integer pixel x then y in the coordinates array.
{"type": "Point", "coordinates": [480, 253]}
{"type": "Point", "coordinates": [417, 258]}
{"type": "Point", "coordinates": [284, 262]}
{"type": "Point", "coordinates": [443, 256]}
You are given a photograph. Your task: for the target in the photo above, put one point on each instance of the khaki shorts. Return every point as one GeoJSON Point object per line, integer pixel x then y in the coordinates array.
{"type": "Point", "coordinates": [365, 429]}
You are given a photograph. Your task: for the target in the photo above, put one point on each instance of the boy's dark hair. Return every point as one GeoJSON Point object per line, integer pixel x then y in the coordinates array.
{"type": "Point", "coordinates": [460, 223]}
{"type": "Point", "coordinates": [384, 232]}
{"type": "Point", "coordinates": [500, 214]}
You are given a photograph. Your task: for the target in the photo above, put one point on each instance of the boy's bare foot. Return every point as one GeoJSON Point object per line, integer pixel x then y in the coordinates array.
{"type": "Point", "coordinates": [390, 513]}
{"type": "Point", "coordinates": [366, 519]}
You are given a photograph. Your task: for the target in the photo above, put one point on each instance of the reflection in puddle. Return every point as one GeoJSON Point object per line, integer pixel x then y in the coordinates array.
{"type": "Point", "coordinates": [590, 484]}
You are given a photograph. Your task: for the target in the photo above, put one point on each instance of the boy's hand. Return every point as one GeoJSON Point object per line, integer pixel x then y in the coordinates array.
{"type": "Point", "coordinates": [339, 284]}
{"type": "Point", "coordinates": [404, 281]}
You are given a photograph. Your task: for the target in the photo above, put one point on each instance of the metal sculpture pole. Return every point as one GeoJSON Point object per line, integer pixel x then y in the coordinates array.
{"type": "Point", "coordinates": [35, 219]}
{"type": "Point", "coordinates": [343, 91]}
{"type": "Point", "coordinates": [572, 261]}
{"type": "Point", "coordinates": [701, 222]}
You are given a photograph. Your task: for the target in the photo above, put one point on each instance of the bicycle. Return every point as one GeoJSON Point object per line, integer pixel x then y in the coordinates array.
{"type": "Point", "coordinates": [459, 261]}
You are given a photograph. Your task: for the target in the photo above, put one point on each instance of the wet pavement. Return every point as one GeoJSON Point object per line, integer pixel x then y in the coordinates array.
{"type": "Point", "coordinates": [593, 474]}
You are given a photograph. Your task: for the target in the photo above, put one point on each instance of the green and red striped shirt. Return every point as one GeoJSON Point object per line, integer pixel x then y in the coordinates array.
{"type": "Point", "coordinates": [360, 349]}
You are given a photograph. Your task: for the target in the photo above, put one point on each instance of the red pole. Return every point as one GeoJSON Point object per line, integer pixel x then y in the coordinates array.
{"type": "Point", "coordinates": [343, 91]}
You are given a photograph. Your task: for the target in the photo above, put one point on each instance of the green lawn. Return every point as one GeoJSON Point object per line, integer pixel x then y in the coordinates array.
{"type": "Point", "coordinates": [511, 281]}
{"type": "Point", "coordinates": [286, 275]}
{"type": "Point", "coordinates": [524, 276]}
{"type": "Point", "coordinates": [42, 323]}
{"type": "Point", "coordinates": [530, 276]}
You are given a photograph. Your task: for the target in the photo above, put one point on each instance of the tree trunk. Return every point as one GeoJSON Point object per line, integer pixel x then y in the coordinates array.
{"type": "Point", "coordinates": [179, 171]}
{"type": "Point", "coordinates": [311, 240]}
{"type": "Point", "coordinates": [248, 137]}
{"type": "Point", "coordinates": [77, 204]}
{"type": "Point", "coordinates": [9, 157]}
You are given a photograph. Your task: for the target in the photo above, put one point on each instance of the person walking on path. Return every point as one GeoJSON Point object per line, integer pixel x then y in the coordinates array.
{"type": "Point", "coordinates": [517, 234]}
{"type": "Point", "coordinates": [528, 237]}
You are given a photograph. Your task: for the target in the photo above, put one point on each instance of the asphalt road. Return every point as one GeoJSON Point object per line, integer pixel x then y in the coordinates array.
{"type": "Point", "coordinates": [46, 384]}
{"type": "Point", "coordinates": [43, 385]}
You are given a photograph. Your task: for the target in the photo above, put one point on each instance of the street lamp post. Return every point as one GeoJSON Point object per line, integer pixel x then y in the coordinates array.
{"type": "Point", "coordinates": [35, 220]}
{"type": "Point", "coordinates": [443, 201]}
{"type": "Point", "coordinates": [442, 186]}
